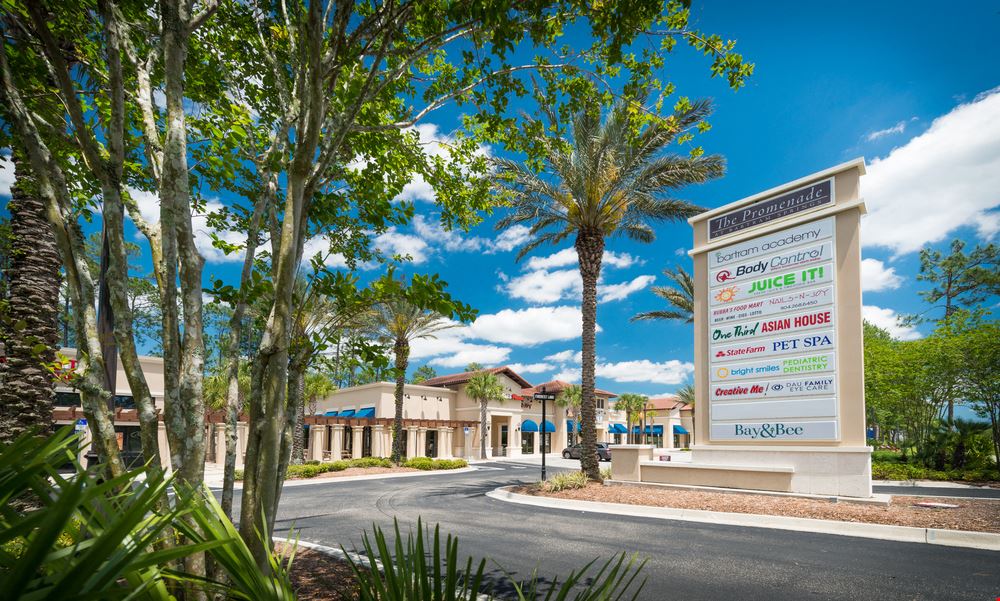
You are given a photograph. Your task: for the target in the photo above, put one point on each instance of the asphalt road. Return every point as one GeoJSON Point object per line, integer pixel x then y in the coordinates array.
{"type": "Point", "coordinates": [686, 561]}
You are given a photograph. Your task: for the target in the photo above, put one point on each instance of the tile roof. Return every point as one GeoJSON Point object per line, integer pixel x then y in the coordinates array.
{"type": "Point", "coordinates": [558, 386]}
{"type": "Point", "coordinates": [465, 376]}
{"type": "Point", "coordinates": [667, 403]}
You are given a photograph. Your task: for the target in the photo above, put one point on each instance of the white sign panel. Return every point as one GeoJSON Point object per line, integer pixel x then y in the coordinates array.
{"type": "Point", "coordinates": [755, 268]}
{"type": "Point", "coordinates": [769, 327]}
{"type": "Point", "coordinates": [772, 243]}
{"type": "Point", "coordinates": [808, 364]}
{"type": "Point", "coordinates": [810, 341]}
{"type": "Point", "coordinates": [775, 430]}
{"type": "Point", "coordinates": [783, 303]}
{"type": "Point", "coordinates": [761, 410]}
{"type": "Point", "coordinates": [771, 284]}
{"type": "Point", "coordinates": [785, 387]}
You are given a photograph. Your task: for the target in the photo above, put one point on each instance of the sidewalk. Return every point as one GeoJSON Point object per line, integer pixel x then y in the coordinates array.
{"type": "Point", "coordinates": [214, 479]}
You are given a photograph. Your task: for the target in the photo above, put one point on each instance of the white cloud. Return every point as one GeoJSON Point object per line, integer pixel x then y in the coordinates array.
{"type": "Point", "coordinates": [512, 237]}
{"type": "Point", "coordinates": [615, 292]}
{"type": "Point", "coordinates": [895, 129]}
{"type": "Point", "coordinates": [567, 356]}
{"type": "Point", "coordinates": [939, 181]}
{"type": "Point", "coordinates": [876, 277]}
{"type": "Point", "coordinates": [531, 368]}
{"type": "Point", "coordinates": [450, 348]}
{"type": "Point", "coordinates": [321, 245]}
{"type": "Point", "coordinates": [6, 175]}
{"type": "Point", "coordinates": [546, 286]}
{"type": "Point", "coordinates": [567, 257]}
{"type": "Point", "coordinates": [568, 374]}
{"type": "Point", "coordinates": [620, 260]}
{"type": "Point", "coordinates": [393, 242]}
{"type": "Point", "coordinates": [528, 327]}
{"type": "Point", "coordinates": [680, 252]}
{"type": "Point", "coordinates": [465, 354]}
{"type": "Point", "coordinates": [434, 144]}
{"type": "Point", "coordinates": [888, 320]}
{"type": "Point", "coordinates": [644, 370]}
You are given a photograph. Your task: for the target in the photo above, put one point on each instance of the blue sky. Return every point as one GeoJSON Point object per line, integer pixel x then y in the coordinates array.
{"type": "Point", "coordinates": [910, 86]}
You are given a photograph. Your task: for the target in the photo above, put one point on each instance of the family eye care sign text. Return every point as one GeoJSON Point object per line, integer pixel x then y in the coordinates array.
{"type": "Point", "coordinates": [771, 336]}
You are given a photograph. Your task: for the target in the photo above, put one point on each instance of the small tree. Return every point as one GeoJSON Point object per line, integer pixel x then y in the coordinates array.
{"type": "Point", "coordinates": [484, 387]}
{"type": "Point", "coordinates": [981, 383]}
{"type": "Point", "coordinates": [424, 372]}
{"type": "Point", "coordinates": [570, 399]}
{"type": "Point", "coordinates": [686, 395]}
{"type": "Point", "coordinates": [632, 404]}
{"type": "Point", "coordinates": [679, 298]}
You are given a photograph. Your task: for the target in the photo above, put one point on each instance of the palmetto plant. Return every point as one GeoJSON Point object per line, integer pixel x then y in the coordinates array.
{"type": "Point", "coordinates": [680, 298]}
{"type": "Point", "coordinates": [484, 387]}
{"type": "Point", "coordinates": [686, 394]}
{"type": "Point", "coordinates": [607, 179]}
{"type": "Point", "coordinates": [397, 321]}
{"type": "Point", "coordinates": [570, 398]}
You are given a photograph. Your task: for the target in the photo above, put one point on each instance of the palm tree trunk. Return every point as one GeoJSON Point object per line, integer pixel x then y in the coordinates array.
{"type": "Point", "coordinates": [590, 251]}
{"type": "Point", "coordinates": [28, 389]}
{"type": "Point", "coordinates": [482, 428]}
{"type": "Point", "coordinates": [402, 349]}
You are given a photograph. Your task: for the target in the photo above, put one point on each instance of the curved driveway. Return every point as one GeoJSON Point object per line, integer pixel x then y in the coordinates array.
{"type": "Point", "coordinates": [686, 561]}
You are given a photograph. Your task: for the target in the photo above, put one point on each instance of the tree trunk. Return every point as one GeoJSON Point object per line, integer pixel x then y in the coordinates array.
{"type": "Point", "coordinates": [590, 252]}
{"type": "Point", "coordinates": [297, 406]}
{"type": "Point", "coordinates": [482, 428]}
{"type": "Point", "coordinates": [27, 389]}
{"type": "Point", "coordinates": [402, 350]}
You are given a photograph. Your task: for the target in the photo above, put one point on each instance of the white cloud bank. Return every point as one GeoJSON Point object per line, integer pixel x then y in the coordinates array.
{"type": "Point", "coordinates": [545, 282]}
{"type": "Point", "coordinates": [895, 129]}
{"type": "Point", "coordinates": [939, 181]}
{"type": "Point", "coordinates": [6, 175]}
{"type": "Point", "coordinates": [888, 320]}
{"type": "Point", "coordinates": [876, 277]}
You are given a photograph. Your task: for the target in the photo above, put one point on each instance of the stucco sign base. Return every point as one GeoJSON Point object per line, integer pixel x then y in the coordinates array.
{"type": "Point", "coordinates": [833, 471]}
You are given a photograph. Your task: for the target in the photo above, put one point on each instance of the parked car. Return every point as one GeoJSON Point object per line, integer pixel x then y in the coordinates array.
{"type": "Point", "coordinates": [573, 452]}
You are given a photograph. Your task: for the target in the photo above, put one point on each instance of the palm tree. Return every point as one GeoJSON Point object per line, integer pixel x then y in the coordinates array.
{"type": "Point", "coordinates": [570, 398]}
{"type": "Point", "coordinates": [632, 404]}
{"type": "Point", "coordinates": [484, 387]}
{"type": "Point", "coordinates": [680, 297]}
{"type": "Point", "coordinates": [397, 321]}
{"type": "Point", "coordinates": [31, 334]}
{"type": "Point", "coordinates": [686, 395]}
{"type": "Point", "coordinates": [608, 179]}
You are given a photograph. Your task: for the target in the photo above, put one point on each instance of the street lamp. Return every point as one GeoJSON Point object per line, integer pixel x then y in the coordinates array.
{"type": "Point", "coordinates": [542, 397]}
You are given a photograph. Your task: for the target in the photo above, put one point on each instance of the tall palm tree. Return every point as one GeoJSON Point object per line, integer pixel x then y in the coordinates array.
{"type": "Point", "coordinates": [686, 394]}
{"type": "Point", "coordinates": [397, 321]}
{"type": "Point", "coordinates": [484, 387]}
{"type": "Point", "coordinates": [31, 334]}
{"type": "Point", "coordinates": [570, 398]}
{"type": "Point", "coordinates": [680, 297]}
{"type": "Point", "coordinates": [607, 179]}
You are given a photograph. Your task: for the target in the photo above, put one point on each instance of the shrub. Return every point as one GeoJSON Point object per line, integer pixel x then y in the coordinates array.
{"type": "Point", "coordinates": [882, 470]}
{"type": "Point", "coordinates": [371, 462]}
{"type": "Point", "coordinates": [606, 473]}
{"type": "Point", "coordinates": [564, 482]}
{"type": "Point", "coordinates": [450, 464]}
{"type": "Point", "coordinates": [335, 466]}
{"type": "Point", "coordinates": [420, 463]}
{"type": "Point", "coordinates": [312, 462]}
{"type": "Point", "coordinates": [303, 471]}
{"type": "Point", "coordinates": [238, 475]}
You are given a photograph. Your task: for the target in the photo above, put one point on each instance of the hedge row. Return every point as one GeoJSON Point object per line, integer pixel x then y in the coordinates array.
{"type": "Point", "coordinates": [311, 469]}
{"type": "Point", "coordinates": [890, 470]}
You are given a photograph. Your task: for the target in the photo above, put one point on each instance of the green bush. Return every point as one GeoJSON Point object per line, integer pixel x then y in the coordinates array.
{"type": "Point", "coordinates": [887, 457]}
{"type": "Point", "coordinates": [564, 482]}
{"type": "Point", "coordinates": [606, 473]}
{"type": "Point", "coordinates": [303, 471]}
{"type": "Point", "coordinates": [428, 567]}
{"type": "Point", "coordinates": [420, 463]}
{"type": "Point", "coordinates": [335, 466]}
{"type": "Point", "coordinates": [371, 462]}
{"type": "Point", "coordinates": [312, 462]}
{"type": "Point", "coordinates": [426, 463]}
{"type": "Point", "coordinates": [882, 470]}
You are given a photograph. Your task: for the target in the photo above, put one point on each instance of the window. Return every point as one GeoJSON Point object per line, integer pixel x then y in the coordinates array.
{"type": "Point", "coordinates": [600, 403]}
{"type": "Point", "coordinates": [67, 399]}
{"type": "Point", "coordinates": [527, 442]}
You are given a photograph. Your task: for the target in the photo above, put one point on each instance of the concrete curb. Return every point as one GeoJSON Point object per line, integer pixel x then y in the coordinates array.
{"type": "Point", "coordinates": [923, 484]}
{"type": "Point", "coordinates": [909, 534]}
{"type": "Point", "coordinates": [307, 481]}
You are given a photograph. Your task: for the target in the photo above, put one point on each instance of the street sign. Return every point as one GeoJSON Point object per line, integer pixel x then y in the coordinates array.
{"type": "Point", "coordinates": [538, 396]}
{"type": "Point", "coordinates": [80, 425]}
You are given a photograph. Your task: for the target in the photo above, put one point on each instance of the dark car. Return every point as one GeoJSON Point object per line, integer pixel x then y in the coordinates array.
{"type": "Point", "coordinates": [573, 452]}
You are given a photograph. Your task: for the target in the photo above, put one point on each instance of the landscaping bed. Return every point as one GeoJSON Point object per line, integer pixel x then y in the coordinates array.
{"type": "Point", "coordinates": [318, 577]}
{"type": "Point", "coordinates": [365, 466]}
{"type": "Point", "coordinates": [980, 515]}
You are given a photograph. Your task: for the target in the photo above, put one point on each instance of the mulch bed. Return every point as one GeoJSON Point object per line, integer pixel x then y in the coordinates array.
{"type": "Point", "coordinates": [319, 577]}
{"type": "Point", "coordinates": [980, 515]}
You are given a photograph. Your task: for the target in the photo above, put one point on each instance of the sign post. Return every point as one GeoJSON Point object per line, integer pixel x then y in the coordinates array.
{"type": "Point", "coordinates": [542, 397]}
{"type": "Point", "coordinates": [778, 338]}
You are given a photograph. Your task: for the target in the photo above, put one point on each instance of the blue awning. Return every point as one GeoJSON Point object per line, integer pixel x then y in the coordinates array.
{"type": "Point", "coordinates": [571, 426]}
{"type": "Point", "coordinates": [657, 429]}
{"type": "Point", "coordinates": [347, 413]}
{"type": "Point", "coordinates": [529, 426]}
{"type": "Point", "coordinates": [680, 430]}
{"type": "Point", "coordinates": [549, 426]}
{"type": "Point", "coordinates": [648, 429]}
{"type": "Point", "coordinates": [330, 414]}
{"type": "Point", "coordinates": [620, 429]}
{"type": "Point", "coordinates": [611, 429]}
{"type": "Point", "coordinates": [366, 412]}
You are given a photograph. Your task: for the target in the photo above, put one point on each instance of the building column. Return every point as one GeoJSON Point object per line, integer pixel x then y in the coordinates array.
{"type": "Point", "coordinates": [164, 445]}
{"type": "Point", "coordinates": [444, 443]}
{"type": "Point", "coordinates": [317, 442]}
{"type": "Point", "coordinates": [560, 439]}
{"type": "Point", "coordinates": [535, 440]}
{"type": "Point", "coordinates": [411, 442]}
{"type": "Point", "coordinates": [220, 444]}
{"type": "Point", "coordinates": [336, 442]}
{"type": "Point", "coordinates": [378, 446]}
{"type": "Point", "coordinates": [357, 432]}
{"type": "Point", "coordinates": [421, 442]}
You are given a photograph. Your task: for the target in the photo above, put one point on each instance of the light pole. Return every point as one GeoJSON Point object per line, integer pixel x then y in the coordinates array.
{"type": "Point", "coordinates": [542, 397]}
